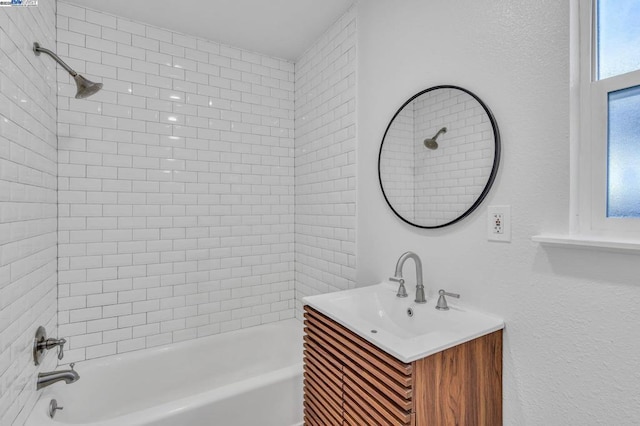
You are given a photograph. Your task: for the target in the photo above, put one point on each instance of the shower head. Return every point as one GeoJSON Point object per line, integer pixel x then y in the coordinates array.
{"type": "Point", "coordinates": [431, 142]}
{"type": "Point", "coordinates": [85, 88]}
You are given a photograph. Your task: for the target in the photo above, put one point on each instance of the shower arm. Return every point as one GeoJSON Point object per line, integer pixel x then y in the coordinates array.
{"type": "Point", "coordinates": [441, 131]}
{"type": "Point", "coordinates": [37, 50]}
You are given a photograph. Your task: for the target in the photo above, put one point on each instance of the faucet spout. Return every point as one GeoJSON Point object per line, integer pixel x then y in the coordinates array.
{"type": "Point", "coordinates": [51, 377]}
{"type": "Point", "coordinates": [420, 297]}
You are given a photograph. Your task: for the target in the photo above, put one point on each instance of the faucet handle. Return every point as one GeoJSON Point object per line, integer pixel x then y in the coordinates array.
{"type": "Point", "coordinates": [442, 301]}
{"type": "Point", "coordinates": [61, 343]}
{"type": "Point", "coordinates": [402, 291]}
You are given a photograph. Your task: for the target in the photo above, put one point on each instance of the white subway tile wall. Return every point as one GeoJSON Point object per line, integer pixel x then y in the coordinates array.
{"type": "Point", "coordinates": [397, 163]}
{"type": "Point", "coordinates": [325, 161]}
{"type": "Point", "coordinates": [176, 187]}
{"type": "Point", "coordinates": [27, 202]}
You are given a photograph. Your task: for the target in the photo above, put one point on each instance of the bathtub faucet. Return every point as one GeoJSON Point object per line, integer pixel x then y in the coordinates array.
{"type": "Point", "coordinates": [47, 379]}
{"type": "Point", "coordinates": [52, 343]}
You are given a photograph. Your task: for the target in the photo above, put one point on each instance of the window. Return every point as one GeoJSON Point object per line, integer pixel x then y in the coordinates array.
{"type": "Point", "coordinates": [608, 146]}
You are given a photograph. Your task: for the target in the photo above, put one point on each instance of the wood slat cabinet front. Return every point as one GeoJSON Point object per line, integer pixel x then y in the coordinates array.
{"type": "Point", "coordinates": [349, 381]}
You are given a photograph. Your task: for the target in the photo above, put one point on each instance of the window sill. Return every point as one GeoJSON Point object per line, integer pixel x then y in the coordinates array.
{"type": "Point", "coordinates": [614, 244]}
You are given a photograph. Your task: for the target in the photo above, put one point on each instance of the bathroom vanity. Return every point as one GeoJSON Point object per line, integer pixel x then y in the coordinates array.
{"type": "Point", "coordinates": [350, 380]}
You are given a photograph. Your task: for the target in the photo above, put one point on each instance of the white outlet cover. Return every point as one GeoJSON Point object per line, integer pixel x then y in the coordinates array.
{"type": "Point", "coordinates": [505, 212]}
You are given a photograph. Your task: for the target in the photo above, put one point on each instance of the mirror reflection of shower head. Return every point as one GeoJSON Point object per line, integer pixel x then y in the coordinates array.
{"type": "Point", "coordinates": [85, 87]}
{"type": "Point", "coordinates": [431, 143]}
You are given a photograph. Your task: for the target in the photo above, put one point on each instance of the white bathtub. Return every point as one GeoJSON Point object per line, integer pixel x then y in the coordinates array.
{"type": "Point", "coordinates": [246, 377]}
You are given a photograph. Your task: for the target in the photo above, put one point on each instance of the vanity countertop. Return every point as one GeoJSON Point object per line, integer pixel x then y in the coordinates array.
{"type": "Point", "coordinates": [407, 330]}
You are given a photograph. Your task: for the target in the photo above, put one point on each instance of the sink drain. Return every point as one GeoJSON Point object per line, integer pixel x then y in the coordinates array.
{"type": "Point", "coordinates": [410, 312]}
{"type": "Point", "coordinates": [374, 331]}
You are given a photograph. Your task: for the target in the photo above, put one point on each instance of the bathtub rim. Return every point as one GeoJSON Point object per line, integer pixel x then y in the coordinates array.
{"type": "Point", "coordinates": [107, 360]}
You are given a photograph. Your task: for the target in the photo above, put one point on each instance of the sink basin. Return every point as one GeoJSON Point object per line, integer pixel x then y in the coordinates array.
{"type": "Point", "coordinates": [377, 315]}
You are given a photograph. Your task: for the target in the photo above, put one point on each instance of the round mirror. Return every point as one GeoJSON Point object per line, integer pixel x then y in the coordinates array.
{"type": "Point", "coordinates": [439, 157]}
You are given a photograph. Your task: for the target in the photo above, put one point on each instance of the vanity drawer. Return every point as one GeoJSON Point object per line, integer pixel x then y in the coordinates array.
{"type": "Point", "coordinates": [345, 371]}
{"type": "Point", "coordinates": [323, 396]}
{"type": "Point", "coordinates": [358, 345]}
{"type": "Point", "coordinates": [349, 381]}
{"type": "Point", "coordinates": [360, 398]}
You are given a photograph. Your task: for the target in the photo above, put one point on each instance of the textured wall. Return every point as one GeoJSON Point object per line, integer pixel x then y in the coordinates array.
{"type": "Point", "coordinates": [571, 346]}
{"type": "Point", "coordinates": [325, 181]}
{"type": "Point", "coordinates": [176, 187]}
{"type": "Point", "coordinates": [27, 202]}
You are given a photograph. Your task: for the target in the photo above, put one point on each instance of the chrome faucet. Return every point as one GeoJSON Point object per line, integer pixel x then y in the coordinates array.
{"type": "Point", "coordinates": [47, 379]}
{"type": "Point", "coordinates": [51, 343]}
{"type": "Point", "coordinates": [420, 298]}
{"type": "Point", "coordinates": [41, 344]}
{"type": "Point", "coordinates": [442, 300]}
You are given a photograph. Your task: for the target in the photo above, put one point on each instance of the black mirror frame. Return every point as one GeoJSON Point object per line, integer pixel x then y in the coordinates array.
{"type": "Point", "coordinates": [494, 169]}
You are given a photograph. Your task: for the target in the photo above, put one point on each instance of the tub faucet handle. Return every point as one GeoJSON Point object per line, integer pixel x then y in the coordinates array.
{"type": "Point", "coordinates": [41, 344]}
{"type": "Point", "coordinates": [61, 343]}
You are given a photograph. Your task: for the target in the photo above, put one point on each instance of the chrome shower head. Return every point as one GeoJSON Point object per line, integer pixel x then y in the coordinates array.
{"type": "Point", "coordinates": [85, 88]}
{"type": "Point", "coordinates": [431, 142]}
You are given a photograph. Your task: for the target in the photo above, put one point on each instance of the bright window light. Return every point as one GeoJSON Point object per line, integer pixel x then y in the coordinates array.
{"type": "Point", "coordinates": [623, 162]}
{"type": "Point", "coordinates": [618, 37]}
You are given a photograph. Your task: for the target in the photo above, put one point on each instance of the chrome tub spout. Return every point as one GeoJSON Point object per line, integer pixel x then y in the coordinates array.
{"type": "Point", "coordinates": [47, 379]}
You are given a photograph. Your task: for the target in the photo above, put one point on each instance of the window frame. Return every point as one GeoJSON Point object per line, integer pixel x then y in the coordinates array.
{"type": "Point", "coordinates": [590, 147]}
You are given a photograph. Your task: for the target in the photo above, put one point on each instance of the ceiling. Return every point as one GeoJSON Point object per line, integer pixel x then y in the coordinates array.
{"type": "Point", "coordinates": [279, 28]}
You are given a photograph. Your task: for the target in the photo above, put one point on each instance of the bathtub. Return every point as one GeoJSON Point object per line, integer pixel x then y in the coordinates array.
{"type": "Point", "coordinates": [246, 377]}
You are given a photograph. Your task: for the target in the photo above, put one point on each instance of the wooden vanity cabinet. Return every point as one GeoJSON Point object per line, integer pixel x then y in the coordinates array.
{"type": "Point", "coordinates": [349, 381]}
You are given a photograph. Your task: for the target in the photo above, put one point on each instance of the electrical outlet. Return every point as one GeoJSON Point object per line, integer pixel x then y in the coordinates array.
{"type": "Point", "coordinates": [497, 221]}
{"type": "Point", "coordinates": [499, 225]}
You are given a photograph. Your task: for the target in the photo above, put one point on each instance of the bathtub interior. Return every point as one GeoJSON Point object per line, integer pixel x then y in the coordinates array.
{"type": "Point", "coordinates": [269, 403]}
{"type": "Point", "coordinates": [116, 386]}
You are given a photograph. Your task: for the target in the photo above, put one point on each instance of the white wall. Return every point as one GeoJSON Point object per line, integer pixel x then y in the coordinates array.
{"type": "Point", "coordinates": [325, 182]}
{"type": "Point", "coordinates": [27, 202]}
{"type": "Point", "coordinates": [571, 339]}
{"type": "Point", "coordinates": [176, 187]}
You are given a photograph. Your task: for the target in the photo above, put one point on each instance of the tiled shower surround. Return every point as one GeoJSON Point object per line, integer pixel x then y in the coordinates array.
{"type": "Point", "coordinates": [27, 202]}
{"type": "Point", "coordinates": [325, 175]}
{"type": "Point", "coordinates": [176, 187]}
{"type": "Point", "coordinates": [397, 163]}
